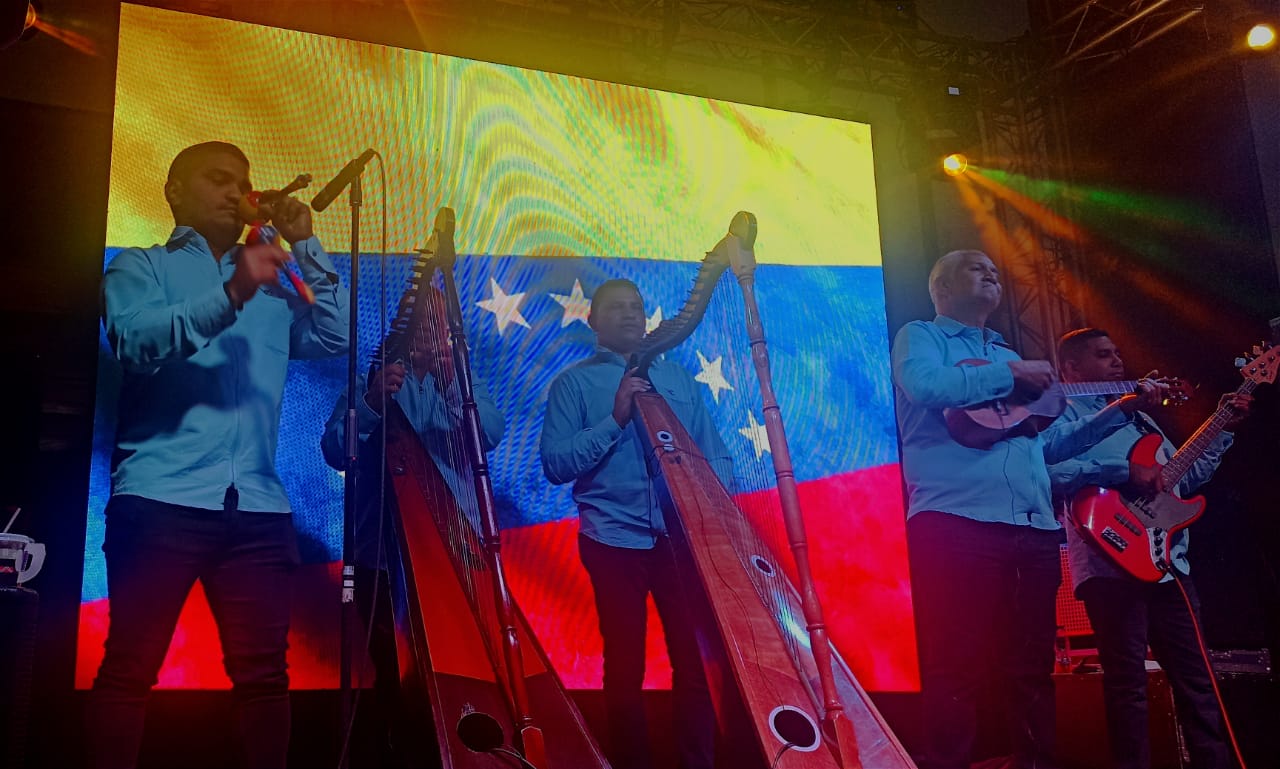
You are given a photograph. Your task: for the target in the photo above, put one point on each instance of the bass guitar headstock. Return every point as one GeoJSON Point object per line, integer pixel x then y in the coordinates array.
{"type": "Point", "coordinates": [1260, 365]}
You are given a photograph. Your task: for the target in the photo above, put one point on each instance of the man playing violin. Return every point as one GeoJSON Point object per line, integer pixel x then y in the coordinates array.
{"type": "Point", "coordinates": [982, 539]}
{"type": "Point", "coordinates": [1127, 613]}
{"type": "Point", "coordinates": [204, 333]}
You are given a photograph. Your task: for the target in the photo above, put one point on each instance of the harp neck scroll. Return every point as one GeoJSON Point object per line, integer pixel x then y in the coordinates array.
{"type": "Point", "coordinates": [734, 250]}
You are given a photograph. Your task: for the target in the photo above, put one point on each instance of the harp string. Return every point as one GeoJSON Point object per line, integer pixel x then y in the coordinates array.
{"type": "Point", "coordinates": [418, 325]}
{"type": "Point", "coordinates": [757, 497]}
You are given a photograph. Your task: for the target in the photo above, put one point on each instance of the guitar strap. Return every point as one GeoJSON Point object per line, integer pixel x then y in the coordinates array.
{"type": "Point", "coordinates": [1144, 424]}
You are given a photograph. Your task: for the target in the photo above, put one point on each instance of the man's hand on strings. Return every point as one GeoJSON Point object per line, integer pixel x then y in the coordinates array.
{"type": "Point", "coordinates": [1238, 404]}
{"type": "Point", "coordinates": [624, 400]}
{"type": "Point", "coordinates": [383, 385]}
{"type": "Point", "coordinates": [440, 366]}
{"type": "Point", "coordinates": [1031, 377]}
{"type": "Point", "coordinates": [1146, 480]}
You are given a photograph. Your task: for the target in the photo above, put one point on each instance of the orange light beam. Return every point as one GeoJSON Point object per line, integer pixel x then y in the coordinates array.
{"type": "Point", "coordinates": [73, 40]}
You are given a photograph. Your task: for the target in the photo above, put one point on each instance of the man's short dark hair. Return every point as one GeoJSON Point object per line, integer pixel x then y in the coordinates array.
{"type": "Point", "coordinates": [1073, 344]}
{"type": "Point", "coordinates": [189, 158]}
{"type": "Point", "coordinates": [609, 287]}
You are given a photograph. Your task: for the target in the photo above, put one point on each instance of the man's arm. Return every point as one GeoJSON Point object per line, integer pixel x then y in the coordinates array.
{"type": "Point", "coordinates": [1069, 476]}
{"type": "Point", "coordinates": [567, 447]}
{"type": "Point", "coordinates": [319, 330]}
{"type": "Point", "coordinates": [333, 443]}
{"type": "Point", "coordinates": [145, 331]}
{"type": "Point", "coordinates": [708, 438]}
{"type": "Point", "coordinates": [1068, 436]}
{"type": "Point", "coordinates": [493, 425]}
{"type": "Point", "coordinates": [1203, 468]}
{"type": "Point", "coordinates": [1238, 404]}
{"type": "Point", "coordinates": [920, 371]}
{"type": "Point", "coordinates": [705, 433]}
{"type": "Point", "coordinates": [1073, 433]}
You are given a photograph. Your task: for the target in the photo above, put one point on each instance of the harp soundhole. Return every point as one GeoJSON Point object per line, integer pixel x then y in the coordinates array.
{"type": "Point", "coordinates": [792, 726]}
{"type": "Point", "coordinates": [762, 565]}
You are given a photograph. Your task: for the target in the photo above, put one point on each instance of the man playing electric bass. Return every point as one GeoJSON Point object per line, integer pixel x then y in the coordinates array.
{"type": "Point", "coordinates": [1128, 612]}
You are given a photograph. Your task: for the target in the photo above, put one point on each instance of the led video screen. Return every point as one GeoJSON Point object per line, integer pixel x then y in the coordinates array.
{"type": "Point", "coordinates": [559, 183]}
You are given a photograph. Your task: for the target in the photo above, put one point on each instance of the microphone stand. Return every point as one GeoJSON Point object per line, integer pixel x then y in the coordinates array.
{"type": "Point", "coordinates": [347, 621]}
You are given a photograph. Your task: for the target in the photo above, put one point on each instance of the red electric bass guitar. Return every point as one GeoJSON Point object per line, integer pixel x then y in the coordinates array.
{"type": "Point", "coordinates": [1134, 532]}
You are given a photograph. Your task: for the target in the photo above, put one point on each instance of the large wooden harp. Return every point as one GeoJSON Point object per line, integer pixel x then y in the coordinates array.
{"type": "Point", "coordinates": [784, 697]}
{"type": "Point", "coordinates": [469, 661]}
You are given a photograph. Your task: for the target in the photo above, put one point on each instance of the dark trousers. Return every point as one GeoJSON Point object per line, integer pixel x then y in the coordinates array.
{"type": "Point", "coordinates": [397, 744]}
{"type": "Point", "coordinates": [622, 579]}
{"type": "Point", "coordinates": [1127, 615]}
{"type": "Point", "coordinates": [155, 552]}
{"type": "Point", "coordinates": [984, 592]}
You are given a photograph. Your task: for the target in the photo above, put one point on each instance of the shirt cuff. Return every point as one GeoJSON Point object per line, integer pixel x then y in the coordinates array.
{"type": "Point", "coordinates": [366, 417]}
{"type": "Point", "coordinates": [996, 379]}
{"type": "Point", "coordinates": [309, 252]}
{"type": "Point", "coordinates": [213, 311]}
{"type": "Point", "coordinates": [607, 428]}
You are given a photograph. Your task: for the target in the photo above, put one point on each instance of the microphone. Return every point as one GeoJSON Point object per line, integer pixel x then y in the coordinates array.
{"type": "Point", "coordinates": [347, 175]}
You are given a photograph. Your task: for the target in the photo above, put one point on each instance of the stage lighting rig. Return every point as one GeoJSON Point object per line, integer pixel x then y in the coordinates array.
{"type": "Point", "coordinates": [940, 121]}
{"type": "Point", "coordinates": [1261, 36]}
{"type": "Point", "coordinates": [955, 164]}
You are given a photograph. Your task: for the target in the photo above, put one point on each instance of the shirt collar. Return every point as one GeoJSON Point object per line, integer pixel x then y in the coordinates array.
{"type": "Point", "coordinates": [183, 236]}
{"type": "Point", "coordinates": [953, 327]}
{"type": "Point", "coordinates": [604, 354]}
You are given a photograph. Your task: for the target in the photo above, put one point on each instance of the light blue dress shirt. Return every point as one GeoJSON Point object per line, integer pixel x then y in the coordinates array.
{"type": "Point", "coordinates": [1107, 464]}
{"type": "Point", "coordinates": [436, 416]}
{"type": "Point", "coordinates": [203, 382]}
{"type": "Point", "coordinates": [1007, 483]}
{"type": "Point", "coordinates": [581, 442]}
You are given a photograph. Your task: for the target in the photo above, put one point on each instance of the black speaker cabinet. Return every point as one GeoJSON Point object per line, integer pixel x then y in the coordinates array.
{"type": "Point", "coordinates": [1082, 722]}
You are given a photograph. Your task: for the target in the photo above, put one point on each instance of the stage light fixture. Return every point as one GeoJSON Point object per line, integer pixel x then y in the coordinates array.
{"type": "Point", "coordinates": [16, 17]}
{"type": "Point", "coordinates": [955, 164]}
{"type": "Point", "coordinates": [1261, 36]}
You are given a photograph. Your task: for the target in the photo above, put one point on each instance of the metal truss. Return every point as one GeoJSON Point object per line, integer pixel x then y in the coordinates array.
{"type": "Point", "coordinates": [1043, 271]}
{"type": "Point", "coordinates": [1085, 36]}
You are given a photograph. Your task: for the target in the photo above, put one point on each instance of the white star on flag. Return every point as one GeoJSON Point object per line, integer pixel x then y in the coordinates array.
{"type": "Point", "coordinates": [755, 432]}
{"type": "Point", "coordinates": [653, 320]}
{"type": "Point", "coordinates": [505, 307]}
{"type": "Point", "coordinates": [712, 376]}
{"type": "Point", "coordinates": [576, 306]}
